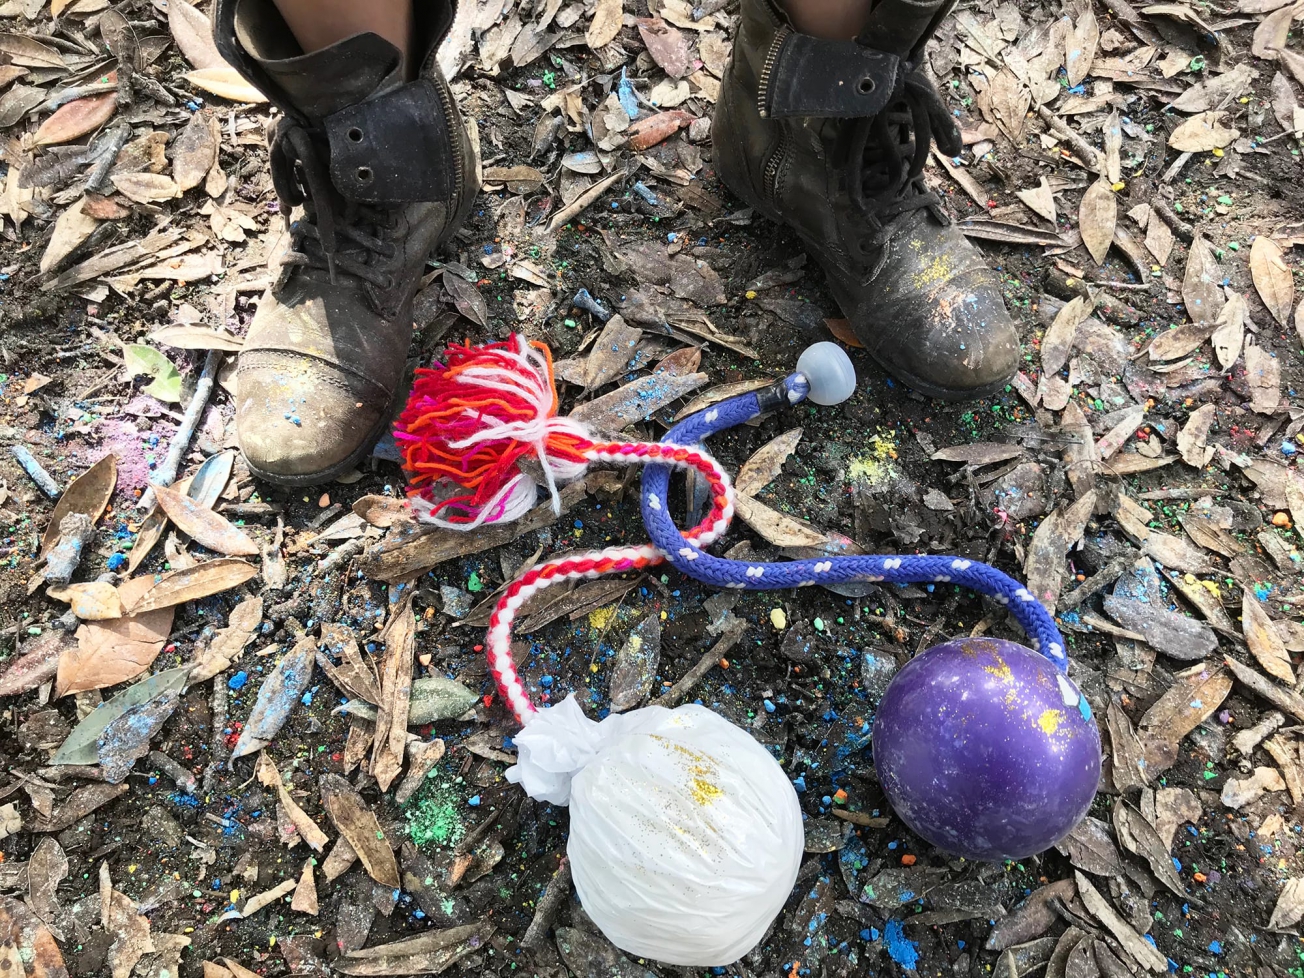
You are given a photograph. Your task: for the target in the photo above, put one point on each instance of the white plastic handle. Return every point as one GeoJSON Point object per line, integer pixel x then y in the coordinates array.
{"type": "Point", "coordinates": [828, 370]}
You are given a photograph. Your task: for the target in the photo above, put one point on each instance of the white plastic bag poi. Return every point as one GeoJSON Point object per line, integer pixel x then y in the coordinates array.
{"type": "Point", "coordinates": [685, 834]}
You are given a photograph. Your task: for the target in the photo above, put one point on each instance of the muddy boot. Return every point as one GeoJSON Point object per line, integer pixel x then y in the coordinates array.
{"type": "Point", "coordinates": [830, 138]}
{"type": "Point", "coordinates": [378, 171]}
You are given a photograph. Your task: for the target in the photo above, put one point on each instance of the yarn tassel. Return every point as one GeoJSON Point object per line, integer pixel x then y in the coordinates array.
{"type": "Point", "coordinates": [472, 421]}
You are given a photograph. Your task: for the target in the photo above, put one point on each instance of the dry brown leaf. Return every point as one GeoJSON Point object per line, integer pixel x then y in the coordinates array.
{"type": "Point", "coordinates": [1192, 439]}
{"type": "Point", "coordinates": [225, 82]}
{"type": "Point", "coordinates": [309, 830]}
{"type": "Point", "coordinates": [775, 528]}
{"type": "Point", "coordinates": [1058, 341]}
{"type": "Point", "coordinates": [193, 33]}
{"type": "Point", "coordinates": [1263, 375]}
{"type": "Point", "coordinates": [1203, 133]}
{"type": "Point", "coordinates": [146, 188]}
{"type": "Point", "coordinates": [89, 493]}
{"type": "Point", "coordinates": [228, 642]}
{"type": "Point", "coordinates": [667, 45]}
{"type": "Point", "coordinates": [606, 24]}
{"type": "Point", "coordinates": [390, 742]}
{"type": "Point", "coordinates": [305, 892]}
{"type": "Point", "coordinates": [1097, 218]}
{"type": "Point", "coordinates": [1272, 278]}
{"type": "Point", "coordinates": [766, 463]}
{"type": "Point", "coordinates": [612, 352]}
{"type": "Point", "coordinates": [358, 826]}
{"type": "Point", "coordinates": [71, 229]}
{"type": "Point", "coordinates": [115, 651]}
{"type": "Point", "coordinates": [1263, 640]}
{"type": "Point", "coordinates": [76, 119]}
{"type": "Point", "coordinates": [1045, 566]}
{"type": "Point", "coordinates": [382, 511]}
{"type": "Point", "coordinates": [194, 152]}
{"type": "Point", "coordinates": [1113, 135]}
{"type": "Point", "coordinates": [190, 584]}
{"type": "Point", "coordinates": [1229, 338]}
{"type": "Point", "coordinates": [1010, 101]}
{"type": "Point", "coordinates": [28, 940]}
{"type": "Point", "coordinates": [1159, 240]}
{"type": "Point", "coordinates": [1270, 36]}
{"type": "Point", "coordinates": [92, 601]}
{"type": "Point", "coordinates": [1040, 200]}
{"type": "Point", "coordinates": [197, 338]}
{"type": "Point", "coordinates": [204, 526]}
{"type": "Point", "coordinates": [1202, 283]}
{"type": "Point", "coordinates": [1080, 44]}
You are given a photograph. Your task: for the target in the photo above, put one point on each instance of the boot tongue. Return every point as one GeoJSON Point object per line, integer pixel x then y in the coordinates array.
{"type": "Point", "coordinates": [321, 83]}
{"type": "Point", "coordinates": [900, 26]}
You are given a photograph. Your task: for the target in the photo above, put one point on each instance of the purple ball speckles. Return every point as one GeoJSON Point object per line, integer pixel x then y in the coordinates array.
{"type": "Point", "coordinates": [986, 750]}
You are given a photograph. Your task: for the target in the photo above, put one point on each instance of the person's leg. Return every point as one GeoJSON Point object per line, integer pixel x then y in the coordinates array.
{"type": "Point", "coordinates": [834, 20]}
{"type": "Point", "coordinates": [316, 24]}
{"type": "Point", "coordinates": [823, 123]}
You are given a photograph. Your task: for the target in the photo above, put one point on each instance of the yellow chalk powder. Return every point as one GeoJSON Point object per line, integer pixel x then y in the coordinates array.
{"type": "Point", "coordinates": [1050, 721]}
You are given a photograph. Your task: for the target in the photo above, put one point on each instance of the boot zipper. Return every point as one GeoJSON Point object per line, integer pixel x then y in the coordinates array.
{"type": "Point", "coordinates": [771, 56]}
{"type": "Point", "coordinates": [770, 175]}
{"type": "Point", "coordinates": [450, 117]}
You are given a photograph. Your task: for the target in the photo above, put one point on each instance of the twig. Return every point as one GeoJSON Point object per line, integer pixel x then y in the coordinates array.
{"type": "Point", "coordinates": [216, 724]}
{"type": "Point", "coordinates": [1171, 173]}
{"type": "Point", "coordinates": [711, 658]}
{"type": "Point", "coordinates": [250, 509]}
{"type": "Point", "coordinates": [583, 201]}
{"type": "Point", "coordinates": [549, 904]}
{"type": "Point", "coordinates": [1097, 582]}
{"type": "Point", "coordinates": [185, 780]}
{"type": "Point", "coordinates": [343, 554]}
{"type": "Point", "coordinates": [166, 473]}
{"type": "Point", "coordinates": [44, 481]}
{"type": "Point", "coordinates": [114, 141]}
{"type": "Point", "coordinates": [1180, 227]}
{"type": "Point", "coordinates": [1084, 149]}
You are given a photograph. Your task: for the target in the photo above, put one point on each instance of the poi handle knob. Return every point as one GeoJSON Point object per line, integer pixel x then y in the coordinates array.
{"type": "Point", "coordinates": [828, 370]}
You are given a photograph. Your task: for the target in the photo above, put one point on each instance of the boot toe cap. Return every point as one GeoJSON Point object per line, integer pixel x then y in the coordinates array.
{"type": "Point", "coordinates": [300, 422]}
{"type": "Point", "coordinates": [971, 347]}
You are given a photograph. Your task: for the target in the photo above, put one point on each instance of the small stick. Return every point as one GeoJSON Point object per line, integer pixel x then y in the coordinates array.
{"type": "Point", "coordinates": [711, 658]}
{"type": "Point", "coordinates": [1084, 149]}
{"type": "Point", "coordinates": [166, 473]}
{"type": "Point", "coordinates": [99, 178]}
{"type": "Point", "coordinates": [217, 721]}
{"type": "Point", "coordinates": [583, 201]}
{"type": "Point", "coordinates": [184, 779]}
{"type": "Point", "coordinates": [44, 481]}
{"type": "Point", "coordinates": [1285, 700]}
{"type": "Point", "coordinates": [1180, 227]}
{"type": "Point", "coordinates": [343, 554]}
{"type": "Point", "coordinates": [1097, 582]}
{"type": "Point", "coordinates": [250, 509]}
{"type": "Point", "coordinates": [549, 904]}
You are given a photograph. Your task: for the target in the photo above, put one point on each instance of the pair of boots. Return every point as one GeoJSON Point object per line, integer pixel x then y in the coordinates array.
{"type": "Point", "coordinates": [828, 137]}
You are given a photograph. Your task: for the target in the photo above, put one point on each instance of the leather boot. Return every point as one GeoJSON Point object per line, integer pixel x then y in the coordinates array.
{"type": "Point", "coordinates": [377, 171]}
{"type": "Point", "coordinates": [830, 138]}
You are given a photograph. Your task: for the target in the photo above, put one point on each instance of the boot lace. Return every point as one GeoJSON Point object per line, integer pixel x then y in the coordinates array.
{"type": "Point", "coordinates": [886, 155]}
{"type": "Point", "coordinates": [334, 235]}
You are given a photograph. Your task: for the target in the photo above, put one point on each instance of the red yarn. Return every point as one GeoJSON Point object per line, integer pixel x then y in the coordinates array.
{"type": "Point", "coordinates": [442, 432]}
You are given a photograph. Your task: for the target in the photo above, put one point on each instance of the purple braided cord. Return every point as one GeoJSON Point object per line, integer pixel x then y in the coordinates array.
{"type": "Point", "coordinates": [905, 569]}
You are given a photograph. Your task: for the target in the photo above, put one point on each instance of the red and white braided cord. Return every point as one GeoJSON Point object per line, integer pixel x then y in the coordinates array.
{"type": "Point", "coordinates": [596, 563]}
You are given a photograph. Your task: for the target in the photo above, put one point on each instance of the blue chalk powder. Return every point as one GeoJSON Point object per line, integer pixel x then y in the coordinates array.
{"type": "Point", "coordinates": [900, 948]}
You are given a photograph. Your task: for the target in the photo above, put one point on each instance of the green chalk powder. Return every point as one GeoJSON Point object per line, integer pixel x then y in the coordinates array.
{"type": "Point", "coordinates": [432, 818]}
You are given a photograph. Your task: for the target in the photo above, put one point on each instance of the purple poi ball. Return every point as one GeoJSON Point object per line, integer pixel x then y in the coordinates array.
{"type": "Point", "coordinates": [986, 750]}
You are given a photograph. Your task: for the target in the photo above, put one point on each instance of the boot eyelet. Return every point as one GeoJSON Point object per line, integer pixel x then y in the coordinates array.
{"type": "Point", "coordinates": [866, 86]}
{"type": "Point", "coordinates": [355, 135]}
{"type": "Point", "coordinates": [365, 174]}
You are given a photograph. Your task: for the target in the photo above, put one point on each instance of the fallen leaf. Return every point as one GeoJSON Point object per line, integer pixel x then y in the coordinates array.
{"type": "Point", "coordinates": [29, 52]}
{"type": "Point", "coordinates": [433, 698]}
{"type": "Point", "coordinates": [47, 867]}
{"type": "Point", "coordinates": [606, 24]}
{"type": "Point", "coordinates": [146, 188]}
{"type": "Point", "coordinates": [1270, 36]}
{"type": "Point", "coordinates": [766, 463]}
{"type": "Point", "coordinates": [78, 805]}
{"type": "Point", "coordinates": [1146, 954]}
{"type": "Point", "coordinates": [129, 927]}
{"type": "Point", "coordinates": [1045, 567]}
{"type": "Point", "coordinates": [467, 299]}
{"type": "Point", "coordinates": [126, 738]}
{"type": "Point", "coordinates": [1097, 218]}
{"type": "Point", "coordinates": [82, 745]}
{"type": "Point", "coordinates": [612, 353]}
{"type": "Point", "coordinates": [1288, 911]}
{"type": "Point", "coordinates": [436, 951]}
{"type": "Point", "coordinates": [1058, 341]}
{"type": "Point", "coordinates": [1040, 200]}
{"type": "Point", "coordinates": [76, 119]}
{"type": "Point", "coordinates": [1080, 46]}
{"type": "Point", "coordinates": [71, 230]}
{"type": "Point", "coordinates": [191, 584]}
{"type": "Point", "coordinates": [228, 642]}
{"type": "Point", "coordinates": [776, 528]}
{"type": "Point", "coordinates": [193, 33]}
{"type": "Point", "coordinates": [1090, 847]}
{"type": "Point", "coordinates": [166, 383]}
{"type": "Point", "coordinates": [1263, 375]}
{"type": "Point", "coordinates": [89, 493]}
{"type": "Point", "coordinates": [1239, 792]}
{"type": "Point", "coordinates": [194, 152]}
{"type": "Point", "coordinates": [204, 526]}
{"type": "Point", "coordinates": [36, 663]}
{"type": "Point", "coordinates": [92, 601]}
{"type": "Point", "coordinates": [197, 338]}
{"type": "Point", "coordinates": [225, 82]}
{"type": "Point", "coordinates": [1213, 92]}
{"type": "Point", "coordinates": [634, 670]}
{"type": "Point", "coordinates": [305, 892]}
{"type": "Point", "coordinates": [979, 453]}
{"type": "Point", "coordinates": [1202, 283]}
{"type": "Point", "coordinates": [382, 511]}
{"type": "Point", "coordinates": [1159, 240]}
{"type": "Point", "coordinates": [32, 943]}
{"type": "Point", "coordinates": [1272, 278]}
{"type": "Point", "coordinates": [651, 130]}
{"type": "Point", "coordinates": [390, 742]}
{"type": "Point", "coordinates": [1264, 642]}
{"type": "Point", "coordinates": [114, 651]}
{"type": "Point", "coordinates": [667, 45]}
{"type": "Point", "coordinates": [358, 825]}
{"type": "Point", "coordinates": [277, 696]}
{"type": "Point", "coordinates": [1229, 338]}
{"type": "Point", "coordinates": [1202, 133]}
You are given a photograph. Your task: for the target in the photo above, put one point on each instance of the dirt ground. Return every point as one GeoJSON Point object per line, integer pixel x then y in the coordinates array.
{"type": "Point", "coordinates": [473, 850]}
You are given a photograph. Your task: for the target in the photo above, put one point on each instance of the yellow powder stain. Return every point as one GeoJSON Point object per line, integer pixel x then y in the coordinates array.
{"type": "Point", "coordinates": [937, 270]}
{"type": "Point", "coordinates": [1000, 670]}
{"type": "Point", "coordinates": [600, 618]}
{"type": "Point", "coordinates": [875, 467]}
{"type": "Point", "coordinates": [704, 792]}
{"type": "Point", "coordinates": [1050, 721]}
